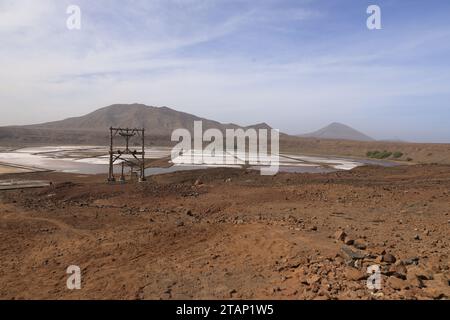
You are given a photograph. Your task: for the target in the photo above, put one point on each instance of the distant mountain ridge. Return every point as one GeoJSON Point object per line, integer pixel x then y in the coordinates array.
{"type": "Point", "coordinates": [92, 128]}
{"type": "Point", "coordinates": [156, 120]}
{"type": "Point", "coordinates": [338, 131]}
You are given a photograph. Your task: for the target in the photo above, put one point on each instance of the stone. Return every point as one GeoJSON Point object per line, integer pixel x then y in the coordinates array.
{"type": "Point", "coordinates": [378, 259]}
{"type": "Point", "coordinates": [355, 274]}
{"type": "Point", "coordinates": [360, 244]}
{"type": "Point", "coordinates": [354, 255]}
{"type": "Point", "coordinates": [232, 292]}
{"type": "Point", "coordinates": [414, 281]}
{"type": "Point", "coordinates": [420, 273]}
{"type": "Point", "coordinates": [340, 235]}
{"type": "Point", "coordinates": [349, 241]}
{"type": "Point", "coordinates": [179, 223]}
{"type": "Point", "coordinates": [416, 237]}
{"type": "Point", "coordinates": [435, 289]}
{"type": "Point", "coordinates": [378, 295]}
{"type": "Point", "coordinates": [396, 283]}
{"type": "Point", "coordinates": [410, 261]}
{"type": "Point", "coordinates": [399, 271]}
{"type": "Point", "coordinates": [389, 258]}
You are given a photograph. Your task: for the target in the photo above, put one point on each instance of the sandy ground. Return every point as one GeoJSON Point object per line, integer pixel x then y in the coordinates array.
{"type": "Point", "coordinates": [228, 233]}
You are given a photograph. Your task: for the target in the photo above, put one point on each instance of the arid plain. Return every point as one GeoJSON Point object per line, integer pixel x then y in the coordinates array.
{"type": "Point", "coordinates": [230, 233]}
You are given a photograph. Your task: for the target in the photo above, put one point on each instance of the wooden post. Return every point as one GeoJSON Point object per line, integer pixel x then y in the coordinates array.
{"type": "Point", "coordinates": [122, 176]}
{"type": "Point", "coordinates": [111, 165]}
{"type": "Point", "coordinates": [142, 177]}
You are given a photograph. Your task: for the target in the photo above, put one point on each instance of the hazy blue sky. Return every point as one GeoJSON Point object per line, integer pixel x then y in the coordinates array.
{"type": "Point", "coordinates": [297, 65]}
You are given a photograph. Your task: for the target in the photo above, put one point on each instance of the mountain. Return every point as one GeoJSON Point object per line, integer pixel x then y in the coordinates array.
{"type": "Point", "coordinates": [338, 131]}
{"type": "Point", "coordinates": [92, 128]}
{"type": "Point", "coordinates": [156, 120]}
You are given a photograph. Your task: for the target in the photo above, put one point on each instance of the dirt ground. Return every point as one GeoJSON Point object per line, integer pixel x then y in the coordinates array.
{"type": "Point", "coordinates": [230, 234]}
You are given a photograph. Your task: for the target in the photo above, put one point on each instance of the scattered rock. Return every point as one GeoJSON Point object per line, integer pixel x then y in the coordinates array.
{"type": "Point", "coordinates": [354, 255]}
{"type": "Point", "coordinates": [340, 235]}
{"type": "Point", "coordinates": [414, 281]}
{"type": "Point", "coordinates": [420, 273]}
{"type": "Point", "coordinates": [416, 237]}
{"type": "Point", "coordinates": [349, 241]}
{"type": "Point", "coordinates": [396, 283]}
{"type": "Point", "coordinates": [359, 244]}
{"type": "Point", "coordinates": [389, 258]}
{"type": "Point", "coordinates": [410, 261]}
{"type": "Point", "coordinates": [435, 289]}
{"type": "Point", "coordinates": [355, 274]}
{"type": "Point", "coordinates": [378, 294]}
{"type": "Point", "coordinates": [313, 279]}
{"type": "Point", "coordinates": [232, 292]}
{"type": "Point", "coordinates": [179, 223]}
{"type": "Point", "coordinates": [378, 259]}
{"type": "Point", "coordinates": [399, 271]}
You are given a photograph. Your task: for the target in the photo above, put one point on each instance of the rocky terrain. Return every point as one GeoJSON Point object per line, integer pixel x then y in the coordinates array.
{"type": "Point", "coordinates": [228, 233]}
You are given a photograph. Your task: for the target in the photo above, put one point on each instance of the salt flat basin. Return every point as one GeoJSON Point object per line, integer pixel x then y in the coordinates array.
{"type": "Point", "coordinates": [71, 159]}
{"type": "Point", "coordinates": [176, 168]}
{"type": "Point", "coordinates": [283, 160]}
{"type": "Point", "coordinates": [95, 160]}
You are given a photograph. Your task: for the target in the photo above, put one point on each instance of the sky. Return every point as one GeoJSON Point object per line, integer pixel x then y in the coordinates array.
{"type": "Point", "coordinates": [296, 64]}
